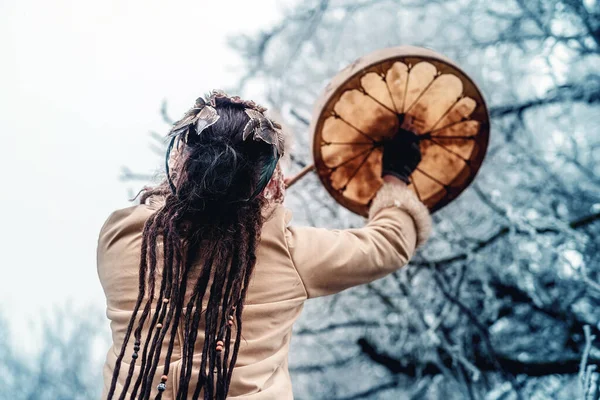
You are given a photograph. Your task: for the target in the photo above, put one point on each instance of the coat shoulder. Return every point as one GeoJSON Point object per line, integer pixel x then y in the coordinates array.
{"type": "Point", "coordinates": [121, 222]}
{"type": "Point", "coordinates": [277, 218]}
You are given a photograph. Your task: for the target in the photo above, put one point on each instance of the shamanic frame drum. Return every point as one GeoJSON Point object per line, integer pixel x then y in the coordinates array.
{"type": "Point", "coordinates": [368, 102]}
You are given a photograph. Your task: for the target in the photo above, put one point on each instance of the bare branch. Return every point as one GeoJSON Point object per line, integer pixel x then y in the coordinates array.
{"type": "Point", "coordinates": [566, 93]}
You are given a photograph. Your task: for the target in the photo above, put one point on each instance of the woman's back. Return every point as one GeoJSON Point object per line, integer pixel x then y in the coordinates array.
{"type": "Point", "coordinates": [274, 301]}
{"type": "Point", "coordinates": [283, 279]}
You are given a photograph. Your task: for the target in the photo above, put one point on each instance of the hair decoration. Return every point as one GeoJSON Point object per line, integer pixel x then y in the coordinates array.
{"type": "Point", "coordinates": [201, 115]}
{"type": "Point", "coordinates": [218, 95]}
{"type": "Point", "coordinates": [259, 128]}
{"type": "Point", "coordinates": [264, 129]}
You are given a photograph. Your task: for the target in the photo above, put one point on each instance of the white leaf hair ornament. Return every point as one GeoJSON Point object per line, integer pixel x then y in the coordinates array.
{"type": "Point", "coordinates": [260, 128]}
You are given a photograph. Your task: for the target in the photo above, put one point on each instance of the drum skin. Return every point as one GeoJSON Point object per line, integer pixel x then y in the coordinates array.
{"type": "Point", "coordinates": [371, 99]}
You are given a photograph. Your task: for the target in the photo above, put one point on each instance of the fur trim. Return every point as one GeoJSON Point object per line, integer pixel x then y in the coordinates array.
{"type": "Point", "coordinates": [394, 195]}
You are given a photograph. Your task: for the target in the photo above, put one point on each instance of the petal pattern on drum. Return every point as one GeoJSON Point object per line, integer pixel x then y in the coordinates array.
{"type": "Point", "coordinates": [438, 163]}
{"type": "Point", "coordinates": [468, 128]}
{"type": "Point", "coordinates": [341, 142]}
{"type": "Point", "coordinates": [375, 86]}
{"type": "Point", "coordinates": [396, 78]}
{"type": "Point", "coordinates": [427, 188]}
{"type": "Point", "coordinates": [335, 130]}
{"type": "Point", "coordinates": [460, 147]}
{"type": "Point", "coordinates": [359, 178]}
{"type": "Point", "coordinates": [336, 155]}
{"type": "Point", "coordinates": [462, 109]}
{"type": "Point", "coordinates": [436, 101]}
{"type": "Point", "coordinates": [419, 78]}
{"type": "Point", "coordinates": [365, 114]}
{"type": "Point", "coordinates": [363, 186]}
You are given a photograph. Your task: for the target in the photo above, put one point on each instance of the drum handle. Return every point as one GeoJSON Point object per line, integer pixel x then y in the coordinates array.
{"type": "Point", "coordinates": [290, 181]}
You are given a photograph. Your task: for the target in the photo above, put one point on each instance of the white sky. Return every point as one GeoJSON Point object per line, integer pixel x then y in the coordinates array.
{"type": "Point", "coordinates": [81, 84]}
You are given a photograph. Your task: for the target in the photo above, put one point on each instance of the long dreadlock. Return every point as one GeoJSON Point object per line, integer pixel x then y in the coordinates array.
{"type": "Point", "coordinates": [209, 229]}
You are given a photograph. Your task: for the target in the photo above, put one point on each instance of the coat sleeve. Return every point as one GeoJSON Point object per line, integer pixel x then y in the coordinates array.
{"type": "Point", "coordinates": [329, 261]}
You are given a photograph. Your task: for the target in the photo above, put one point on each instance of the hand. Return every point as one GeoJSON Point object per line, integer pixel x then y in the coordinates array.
{"type": "Point", "coordinates": [401, 155]}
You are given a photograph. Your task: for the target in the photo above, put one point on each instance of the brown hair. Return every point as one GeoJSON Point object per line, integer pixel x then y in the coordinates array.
{"type": "Point", "coordinates": [209, 228]}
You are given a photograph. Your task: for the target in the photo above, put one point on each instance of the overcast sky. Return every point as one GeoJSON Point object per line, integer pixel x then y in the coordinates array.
{"type": "Point", "coordinates": [81, 86]}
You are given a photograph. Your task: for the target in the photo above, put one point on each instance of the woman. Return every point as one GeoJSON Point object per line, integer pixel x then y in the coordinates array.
{"type": "Point", "coordinates": [204, 278]}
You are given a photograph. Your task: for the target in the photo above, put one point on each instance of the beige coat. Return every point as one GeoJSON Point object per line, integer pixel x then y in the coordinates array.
{"type": "Point", "coordinates": [293, 265]}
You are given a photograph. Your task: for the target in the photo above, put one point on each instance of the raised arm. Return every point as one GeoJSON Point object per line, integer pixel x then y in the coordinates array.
{"type": "Point", "coordinates": [329, 261]}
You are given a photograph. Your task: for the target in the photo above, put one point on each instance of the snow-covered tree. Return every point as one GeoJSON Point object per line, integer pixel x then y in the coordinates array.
{"type": "Point", "coordinates": [504, 300]}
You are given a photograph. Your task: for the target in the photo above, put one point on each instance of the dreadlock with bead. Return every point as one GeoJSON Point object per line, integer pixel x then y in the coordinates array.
{"type": "Point", "coordinates": [205, 234]}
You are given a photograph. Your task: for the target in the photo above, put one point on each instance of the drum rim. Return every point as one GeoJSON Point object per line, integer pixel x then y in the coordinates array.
{"type": "Point", "coordinates": [361, 64]}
